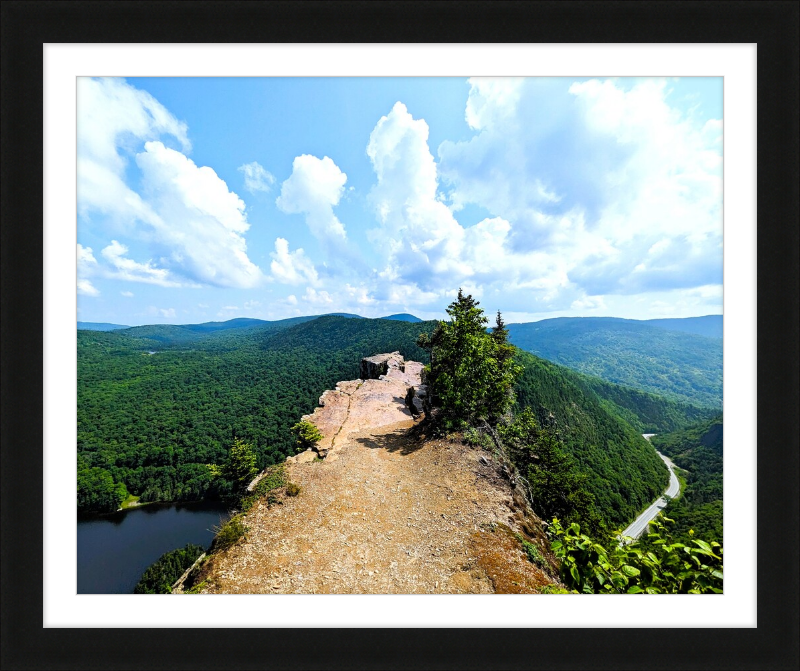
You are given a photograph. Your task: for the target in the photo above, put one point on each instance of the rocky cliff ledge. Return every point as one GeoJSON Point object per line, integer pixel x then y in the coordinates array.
{"type": "Point", "coordinates": [384, 512]}
{"type": "Point", "coordinates": [377, 400]}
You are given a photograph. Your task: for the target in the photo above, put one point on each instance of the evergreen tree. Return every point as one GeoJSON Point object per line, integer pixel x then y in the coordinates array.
{"type": "Point", "coordinates": [472, 373]}
{"type": "Point", "coordinates": [308, 435]}
{"type": "Point", "coordinates": [558, 488]}
{"type": "Point", "coordinates": [240, 466]}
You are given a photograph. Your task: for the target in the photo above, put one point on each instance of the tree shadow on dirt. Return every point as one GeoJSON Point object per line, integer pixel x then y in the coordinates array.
{"type": "Point", "coordinates": [396, 441]}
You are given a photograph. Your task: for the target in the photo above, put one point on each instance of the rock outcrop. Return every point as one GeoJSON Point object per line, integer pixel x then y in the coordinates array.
{"type": "Point", "coordinates": [372, 367]}
{"type": "Point", "coordinates": [386, 512]}
{"type": "Point", "coordinates": [415, 399]}
{"type": "Point", "coordinates": [376, 400]}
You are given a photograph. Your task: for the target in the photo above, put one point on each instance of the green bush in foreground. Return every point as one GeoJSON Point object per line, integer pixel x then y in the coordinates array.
{"type": "Point", "coordinates": [274, 478]}
{"type": "Point", "coordinates": [159, 577]}
{"type": "Point", "coordinates": [668, 568]}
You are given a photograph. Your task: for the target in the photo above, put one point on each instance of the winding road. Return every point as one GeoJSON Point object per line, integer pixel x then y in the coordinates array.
{"type": "Point", "coordinates": [639, 525]}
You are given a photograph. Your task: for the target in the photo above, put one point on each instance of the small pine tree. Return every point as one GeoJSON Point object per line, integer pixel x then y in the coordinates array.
{"type": "Point", "coordinates": [308, 435]}
{"type": "Point", "coordinates": [240, 466]}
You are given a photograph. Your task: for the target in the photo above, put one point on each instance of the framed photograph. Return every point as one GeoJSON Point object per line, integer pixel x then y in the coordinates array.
{"type": "Point", "coordinates": [221, 189]}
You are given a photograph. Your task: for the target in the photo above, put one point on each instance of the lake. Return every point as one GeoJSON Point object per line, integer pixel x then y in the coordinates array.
{"type": "Point", "coordinates": [114, 550]}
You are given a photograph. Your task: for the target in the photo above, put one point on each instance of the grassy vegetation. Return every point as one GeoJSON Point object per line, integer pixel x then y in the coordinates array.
{"type": "Point", "coordinates": [534, 554]}
{"type": "Point", "coordinates": [228, 533]}
{"type": "Point", "coordinates": [131, 502]}
{"type": "Point", "coordinates": [274, 479]}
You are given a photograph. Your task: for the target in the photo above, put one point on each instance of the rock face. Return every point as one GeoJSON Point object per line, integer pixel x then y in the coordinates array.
{"type": "Point", "coordinates": [372, 367]}
{"type": "Point", "coordinates": [415, 399]}
{"type": "Point", "coordinates": [377, 400]}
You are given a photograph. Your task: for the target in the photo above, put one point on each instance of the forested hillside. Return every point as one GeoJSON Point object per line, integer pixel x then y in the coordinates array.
{"type": "Point", "coordinates": [698, 451]}
{"type": "Point", "coordinates": [709, 326]}
{"type": "Point", "coordinates": [625, 473]}
{"type": "Point", "coordinates": [152, 421]}
{"type": "Point", "coordinates": [99, 326]}
{"type": "Point", "coordinates": [645, 411]}
{"type": "Point", "coordinates": [681, 366]}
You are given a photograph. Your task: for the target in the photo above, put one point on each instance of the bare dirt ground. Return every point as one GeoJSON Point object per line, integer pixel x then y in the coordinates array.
{"type": "Point", "coordinates": [389, 514]}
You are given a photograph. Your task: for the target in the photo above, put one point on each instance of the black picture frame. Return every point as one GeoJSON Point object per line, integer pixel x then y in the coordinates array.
{"type": "Point", "coordinates": [774, 26]}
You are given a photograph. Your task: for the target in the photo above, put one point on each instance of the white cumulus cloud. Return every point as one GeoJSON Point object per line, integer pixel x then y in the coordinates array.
{"type": "Point", "coordinates": [186, 213]}
{"type": "Point", "coordinates": [113, 118]}
{"type": "Point", "coordinates": [201, 224]}
{"type": "Point", "coordinates": [87, 266]}
{"type": "Point", "coordinates": [86, 288]}
{"type": "Point", "coordinates": [314, 189]}
{"type": "Point", "coordinates": [431, 254]}
{"type": "Point", "coordinates": [123, 268]}
{"type": "Point", "coordinates": [602, 182]}
{"type": "Point", "coordinates": [292, 267]}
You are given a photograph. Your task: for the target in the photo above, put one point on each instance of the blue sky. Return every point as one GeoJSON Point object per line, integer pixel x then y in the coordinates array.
{"type": "Point", "coordinates": [204, 199]}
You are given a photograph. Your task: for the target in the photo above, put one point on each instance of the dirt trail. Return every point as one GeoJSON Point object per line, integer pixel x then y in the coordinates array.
{"type": "Point", "coordinates": [387, 514]}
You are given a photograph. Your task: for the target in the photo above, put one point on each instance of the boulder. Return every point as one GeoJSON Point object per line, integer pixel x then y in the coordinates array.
{"type": "Point", "coordinates": [415, 399]}
{"type": "Point", "coordinates": [372, 367]}
{"type": "Point", "coordinates": [302, 458]}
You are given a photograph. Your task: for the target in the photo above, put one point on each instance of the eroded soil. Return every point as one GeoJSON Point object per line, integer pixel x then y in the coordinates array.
{"type": "Point", "coordinates": [389, 514]}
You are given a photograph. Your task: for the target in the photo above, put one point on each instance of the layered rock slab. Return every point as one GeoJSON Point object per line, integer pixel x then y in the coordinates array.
{"type": "Point", "coordinates": [364, 404]}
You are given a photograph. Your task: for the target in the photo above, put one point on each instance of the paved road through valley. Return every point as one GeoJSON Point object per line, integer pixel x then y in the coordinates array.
{"type": "Point", "coordinates": [640, 523]}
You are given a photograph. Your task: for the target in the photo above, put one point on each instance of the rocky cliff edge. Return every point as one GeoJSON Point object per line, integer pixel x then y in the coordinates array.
{"type": "Point", "coordinates": [384, 512]}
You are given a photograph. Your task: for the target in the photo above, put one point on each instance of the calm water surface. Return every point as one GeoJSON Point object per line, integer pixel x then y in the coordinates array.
{"type": "Point", "coordinates": [114, 550]}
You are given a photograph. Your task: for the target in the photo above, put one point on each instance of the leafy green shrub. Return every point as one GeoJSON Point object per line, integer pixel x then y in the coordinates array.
{"type": "Point", "coordinates": [196, 589]}
{"type": "Point", "coordinates": [308, 435]}
{"type": "Point", "coordinates": [668, 568]}
{"type": "Point", "coordinates": [476, 438]}
{"type": "Point", "coordinates": [553, 589]}
{"type": "Point", "coordinates": [159, 577]}
{"type": "Point", "coordinates": [230, 532]}
{"type": "Point", "coordinates": [293, 489]}
{"type": "Point", "coordinates": [240, 466]}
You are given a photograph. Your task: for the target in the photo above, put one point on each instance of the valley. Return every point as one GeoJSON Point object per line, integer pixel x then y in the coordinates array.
{"type": "Point", "coordinates": [211, 384]}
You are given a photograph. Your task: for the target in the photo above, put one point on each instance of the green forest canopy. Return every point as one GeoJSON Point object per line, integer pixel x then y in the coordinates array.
{"type": "Point", "coordinates": [684, 367]}
{"type": "Point", "coordinates": [152, 421]}
{"type": "Point", "coordinates": [698, 450]}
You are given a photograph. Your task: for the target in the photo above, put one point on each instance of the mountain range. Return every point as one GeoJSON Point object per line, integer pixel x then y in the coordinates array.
{"type": "Point", "coordinates": [157, 403]}
{"type": "Point", "coordinates": [678, 359]}
{"type": "Point", "coordinates": [663, 357]}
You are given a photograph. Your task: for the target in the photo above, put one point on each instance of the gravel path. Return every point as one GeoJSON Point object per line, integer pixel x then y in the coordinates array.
{"type": "Point", "coordinates": [389, 514]}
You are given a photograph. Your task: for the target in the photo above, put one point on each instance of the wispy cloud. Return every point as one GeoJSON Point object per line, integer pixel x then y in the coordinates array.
{"type": "Point", "coordinates": [256, 177]}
